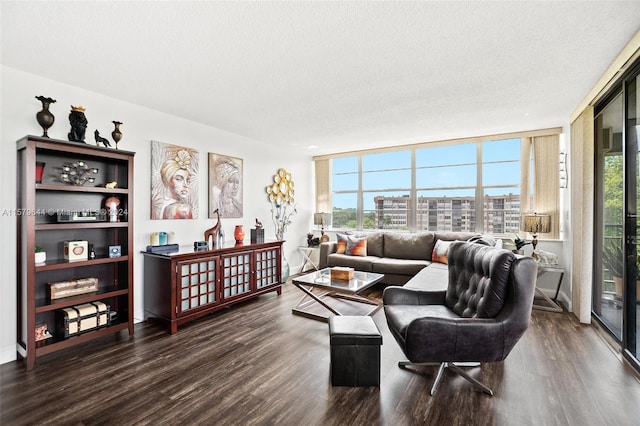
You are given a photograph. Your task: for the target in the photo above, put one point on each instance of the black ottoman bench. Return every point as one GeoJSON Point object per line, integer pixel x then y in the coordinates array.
{"type": "Point", "coordinates": [355, 351]}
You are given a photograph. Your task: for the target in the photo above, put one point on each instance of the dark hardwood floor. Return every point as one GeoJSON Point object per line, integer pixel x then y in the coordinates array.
{"type": "Point", "coordinates": [256, 363]}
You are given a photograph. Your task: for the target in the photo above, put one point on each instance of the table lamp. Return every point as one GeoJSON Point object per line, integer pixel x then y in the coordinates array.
{"type": "Point", "coordinates": [321, 219]}
{"type": "Point", "coordinates": [537, 224]}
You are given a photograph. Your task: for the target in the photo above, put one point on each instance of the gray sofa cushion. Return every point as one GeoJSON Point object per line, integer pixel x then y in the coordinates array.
{"type": "Point", "coordinates": [359, 263]}
{"type": "Point", "coordinates": [386, 265]}
{"type": "Point", "coordinates": [409, 246]}
{"type": "Point", "coordinates": [433, 278]}
{"type": "Point", "coordinates": [375, 244]}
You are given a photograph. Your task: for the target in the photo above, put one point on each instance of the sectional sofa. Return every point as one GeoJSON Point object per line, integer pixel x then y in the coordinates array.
{"type": "Point", "coordinates": [399, 256]}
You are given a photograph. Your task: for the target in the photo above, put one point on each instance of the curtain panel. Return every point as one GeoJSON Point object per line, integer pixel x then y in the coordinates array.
{"type": "Point", "coordinates": [525, 176]}
{"type": "Point", "coordinates": [582, 199]}
{"type": "Point", "coordinates": [546, 157]}
{"type": "Point", "coordinates": [323, 186]}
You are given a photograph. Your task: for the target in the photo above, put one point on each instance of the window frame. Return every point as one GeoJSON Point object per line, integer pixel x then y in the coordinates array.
{"type": "Point", "coordinates": [526, 172]}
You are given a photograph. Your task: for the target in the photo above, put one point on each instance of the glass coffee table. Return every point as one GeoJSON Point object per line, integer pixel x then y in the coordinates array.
{"type": "Point", "coordinates": [318, 287]}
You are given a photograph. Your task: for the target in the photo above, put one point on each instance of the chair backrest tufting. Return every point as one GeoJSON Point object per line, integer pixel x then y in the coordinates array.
{"type": "Point", "coordinates": [478, 279]}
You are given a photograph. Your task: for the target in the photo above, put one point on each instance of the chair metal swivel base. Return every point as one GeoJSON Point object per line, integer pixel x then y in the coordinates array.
{"type": "Point", "coordinates": [454, 367]}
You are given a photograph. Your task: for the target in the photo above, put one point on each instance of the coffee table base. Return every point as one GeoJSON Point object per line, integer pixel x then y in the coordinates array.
{"type": "Point", "coordinates": [311, 298]}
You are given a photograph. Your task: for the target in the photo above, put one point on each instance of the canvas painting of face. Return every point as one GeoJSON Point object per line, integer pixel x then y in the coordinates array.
{"type": "Point", "coordinates": [225, 185]}
{"type": "Point", "coordinates": [174, 182]}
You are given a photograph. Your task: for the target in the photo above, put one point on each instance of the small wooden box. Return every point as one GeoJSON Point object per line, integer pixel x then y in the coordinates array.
{"type": "Point", "coordinates": [69, 288]}
{"type": "Point", "coordinates": [82, 318]}
{"type": "Point", "coordinates": [257, 236]}
{"type": "Point", "coordinates": [76, 250]}
{"type": "Point", "coordinates": [42, 332]}
{"type": "Point", "coordinates": [342, 273]}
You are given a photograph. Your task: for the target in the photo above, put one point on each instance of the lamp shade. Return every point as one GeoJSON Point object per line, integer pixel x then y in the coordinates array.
{"type": "Point", "coordinates": [321, 219]}
{"type": "Point", "coordinates": [537, 223]}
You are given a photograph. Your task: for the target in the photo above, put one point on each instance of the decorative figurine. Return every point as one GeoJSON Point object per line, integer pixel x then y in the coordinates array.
{"type": "Point", "coordinates": [116, 134]}
{"type": "Point", "coordinates": [101, 140]}
{"type": "Point", "coordinates": [214, 231]}
{"type": "Point", "coordinates": [311, 241]}
{"type": "Point", "coordinates": [45, 117]}
{"type": "Point", "coordinates": [257, 234]}
{"type": "Point", "coordinates": [78, 124]}
{"type": "Point", "coordinates": [221, 238]}
{"type": "Point", "coordinates": [111, 185]}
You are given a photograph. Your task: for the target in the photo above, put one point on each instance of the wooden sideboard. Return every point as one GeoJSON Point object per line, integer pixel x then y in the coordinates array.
{"type": "Point", "coordinates": [183, 286]}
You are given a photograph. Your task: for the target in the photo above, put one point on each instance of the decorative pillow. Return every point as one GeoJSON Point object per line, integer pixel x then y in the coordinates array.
{"type": "Point", "coordinates": [356, 246]}
{"type": "Point", "coordinates": [375, 243]}
{"type": "Point", "coordinates": [414, 246]}
{"type": "Point", "coordinates": [342, 244]}
{"type": "Point", "coordinates": [440, 251]}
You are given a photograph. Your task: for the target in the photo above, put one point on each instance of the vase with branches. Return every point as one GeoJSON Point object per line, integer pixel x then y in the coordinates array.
{"type": "Point", "coordinates": [281, 216]}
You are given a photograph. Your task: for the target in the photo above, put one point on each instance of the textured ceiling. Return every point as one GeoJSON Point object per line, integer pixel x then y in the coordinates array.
{"type": "Point", "coordinates": [335, 75]}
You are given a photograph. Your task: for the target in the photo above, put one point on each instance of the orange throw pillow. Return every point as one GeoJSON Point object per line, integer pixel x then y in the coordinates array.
{"type": "Point", "coordinates": [441, 251]}
{"type": "Point", "coordinates": [342, 244]}
{"type": "Point", "coordinates": [357, 246]}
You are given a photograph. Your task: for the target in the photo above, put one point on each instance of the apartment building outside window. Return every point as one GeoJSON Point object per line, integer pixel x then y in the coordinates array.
{"type": "Point", "coordinates": [466, 187]}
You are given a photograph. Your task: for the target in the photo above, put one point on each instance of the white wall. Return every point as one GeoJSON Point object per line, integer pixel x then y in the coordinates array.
{"type": "Point", "coordinates": [565, 221]}
{"type": "Point", "coordinates": [18, 107]}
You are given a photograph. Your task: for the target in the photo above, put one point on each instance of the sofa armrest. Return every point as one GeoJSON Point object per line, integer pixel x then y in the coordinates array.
{"type": "Point", "coordinates": [326, 249]}
{"type": "Point", "coordinates": [406, 296]}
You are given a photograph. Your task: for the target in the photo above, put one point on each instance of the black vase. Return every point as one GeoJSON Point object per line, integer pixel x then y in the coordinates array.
{"type": "Point", "coordinates": [45, 117]}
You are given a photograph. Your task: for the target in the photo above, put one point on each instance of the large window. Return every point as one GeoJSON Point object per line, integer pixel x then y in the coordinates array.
{"type": "Point", "coordinates": [468, 185]}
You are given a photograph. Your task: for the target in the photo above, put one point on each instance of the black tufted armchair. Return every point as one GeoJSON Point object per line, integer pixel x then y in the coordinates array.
{"type": "Point", "coordinates": [479, 318]}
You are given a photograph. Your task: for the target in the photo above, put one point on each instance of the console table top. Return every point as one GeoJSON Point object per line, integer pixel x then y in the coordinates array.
{"type": "Point", "coordinates": [231, 246]}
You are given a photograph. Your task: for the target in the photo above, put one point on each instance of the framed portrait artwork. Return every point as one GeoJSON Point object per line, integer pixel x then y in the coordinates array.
{"type": "Point", "coordinates": [174, 182]}
{"type": "Point", "coordinates": [225, 185]}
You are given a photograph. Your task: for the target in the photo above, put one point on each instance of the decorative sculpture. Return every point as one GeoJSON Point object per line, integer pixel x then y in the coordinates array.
{"type": "Point", "coordinates": [214, 231]}
{"type": "Point", "coordinates": [311, 241]}
{"type": "Point", "coordinates": [78, 124]}
{"type": "Point", "coordinates": [257, 234]}
{"type": "Point", "coordinates": [281, 194]}
{"type": "Point", "coordinates": [78, 173]}
{"type": "Point", "coordinates": [100, 139]}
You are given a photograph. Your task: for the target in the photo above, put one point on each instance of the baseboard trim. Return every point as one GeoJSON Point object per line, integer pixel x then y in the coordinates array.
{"type": "Point", "coordinates": [8, 354]}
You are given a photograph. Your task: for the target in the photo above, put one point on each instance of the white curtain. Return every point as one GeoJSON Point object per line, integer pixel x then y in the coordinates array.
{"type": "Point", "coordinates": [323, 186]}
{"type": "Point", "coordinates": [582, 184]}
{"type": "Point", "coordinates": [546, 157]}
{"type": "Point", "coordinates": [544, 177]}
{"type": "Point", "coordinates": [525, 175]}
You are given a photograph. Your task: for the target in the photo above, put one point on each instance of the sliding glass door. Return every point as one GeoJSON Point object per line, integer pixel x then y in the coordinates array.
{"type": "Point", "coordinates": [632, 196]}
{"type": "Point", "coordinates": [607, 288]}
{"type": "Point", "coordinates": [617, 234]}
